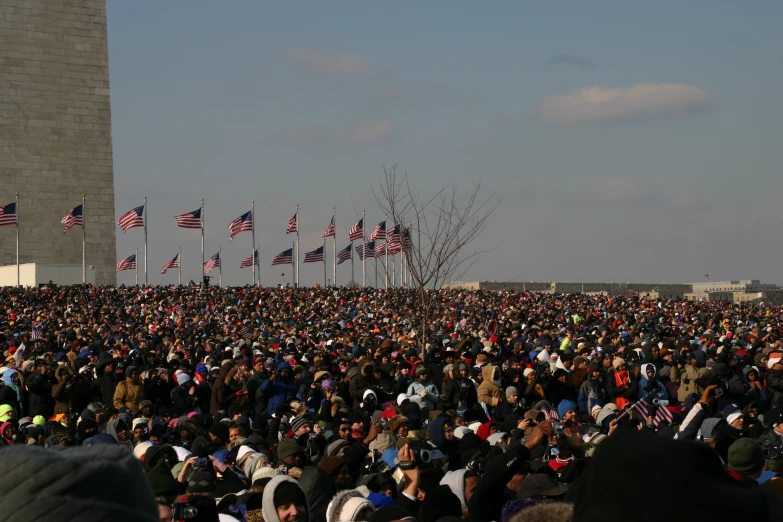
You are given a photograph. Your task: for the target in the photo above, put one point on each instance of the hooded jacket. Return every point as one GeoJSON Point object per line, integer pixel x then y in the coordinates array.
{"type": "Point", "coordinates": [687, 378]}
{"type": "Point", "coordinates": [269, 509]}
{"type": "Point", "coordinates": [102, 483]}
{"type": "Point", "coordinates": [112, 429]}
{"type": "Point", "coordinates": [319, 488]}
{"type": "Point", "coordinates": [129, 394]}
{"type": "Point", "coordinates": [488, 392]}
{"type": "Point", "coordinates": [40, 390]}
{"type": "Point", "coordinates": [222, 397]}
{"type": "Point", "coordinates": [278, 390]}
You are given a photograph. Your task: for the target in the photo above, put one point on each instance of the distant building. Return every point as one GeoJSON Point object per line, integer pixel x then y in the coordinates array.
{"type": "Point", "coordinates": [742, 291]}
{"type": "Point", "coordinates": [655, 291]}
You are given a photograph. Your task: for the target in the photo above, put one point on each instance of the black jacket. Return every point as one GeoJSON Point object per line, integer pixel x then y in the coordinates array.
{"type": "Point", "coordinates": [40, 391]}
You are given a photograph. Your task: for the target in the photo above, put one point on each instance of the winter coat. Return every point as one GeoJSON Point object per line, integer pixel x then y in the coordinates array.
{"type": "Point", "coordinates": [106, 385]}
{"type": "Point", "coordinates": [129, 394]}
{"type": "Point", "coordinates": [592, 393]}
{"type": "Point", "coordinates": [774, 382]}
{"type": "Point", "coordinates": [222, 395]}
{"type": "Point", "coordinates": [362, 382]}
{"type": "Point", "coordinates": [278, 390]}
{"type": "Point", "coordinates": [460, 393]}
{"type": "Point", "coordinates": [687, 378]}
{"type": "Point", "coordinates": [430, 398]}
{"type": "Point", "coordinates": [40, 392]}
{"type": "Point", "coordinates": [488, 392]}
{"type": "Point", "coordinates": [623, 393]}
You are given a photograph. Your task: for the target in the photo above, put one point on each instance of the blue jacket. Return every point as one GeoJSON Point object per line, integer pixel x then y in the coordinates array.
{"type": "Point", "coordinates": [278, 390]}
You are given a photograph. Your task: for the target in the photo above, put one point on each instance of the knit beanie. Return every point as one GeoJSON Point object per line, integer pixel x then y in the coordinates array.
{"type": "Point", "coordinates": [202, 481]}
{"type": "Point", "coordinates": [182, 378]}
{"type": "Point", "coordinates": [161, 480]}
{"type": "Point", "coordinates": [330, 464]}
{"type": "Point", "coordinates": [565, 406]}
{"type": "Point", "coordinates": [220, 431]}
{"type": "Point", "coordinates": [103, 482]}
{"type": "Point", "coordinates": [287, 447]}
{"type": "Point", "coordinates": [617, 362]}
{"type": "Point", "coordinates": [298, 423]}
{"type": "Point", "coordinates": [746, 456]}
{"type": "Point", "coordinates": [511, 390]}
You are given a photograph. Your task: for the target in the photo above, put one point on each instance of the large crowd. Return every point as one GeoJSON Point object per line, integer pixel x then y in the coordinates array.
{"type": "Point", "coordinates": [282, 404]}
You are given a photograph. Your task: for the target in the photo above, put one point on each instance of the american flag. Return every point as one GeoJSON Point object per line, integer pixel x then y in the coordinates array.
{"type": "Point", "coordinates": [551, 414]}
{"type": "Point", "coordinates": [174, 263]}
{"type": "Point", "coordinates": [129, 263]}
{"type": "Point", "coordinates": [189, 219]}
{"type": "Point", "coordinates": [212, 263]}
{"type": "Point", "coordinates": [357, 231]}
{"type": "Point", "coordinates": [380, 250]}
{"type": "Point", "coordinates": [662, 414]}
{"type": "Point", "coordinates": [406, 239]}
{"type": "Point", "coordinates": [286, 257]}
{"type": "Point", "coordinates": [248, 261]}
{"type": "Point", "coordinates": [73, 218]}
{"type": "Point", "coordinates": [316, 256]}
{"type": "Point", "coordinates": [394, 240]}
{"type": "Point", "coordinates": [344, 254]}
{"type": "Point", "coordinates": [370, 245]}
{"type": "Point", "coordinates": [37, 334]}
{"type": "Point", "coordinates": [329, 232]}
{"type": "Point", "coordinates": [379, 232]}
{"type": "Point", "coordinates": [245, 332]}
{"type": "Point", "coordinates": [241, 224]}
{"type": "Point", "coordinates": [8, 215]}
{"type": "Point", "coordinates": [132, 219]}
{"type": "Point", "coordinates": [293, 224]}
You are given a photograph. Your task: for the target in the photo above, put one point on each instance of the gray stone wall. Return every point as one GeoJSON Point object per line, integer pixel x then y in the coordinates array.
{"type": "Point", "coordinates": [55, 131]}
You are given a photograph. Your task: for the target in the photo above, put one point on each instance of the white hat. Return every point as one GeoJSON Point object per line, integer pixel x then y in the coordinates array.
{"type": "Point", "coordinates": [141, 448]}
{"type": "Point", "coordinates": [772, 361]}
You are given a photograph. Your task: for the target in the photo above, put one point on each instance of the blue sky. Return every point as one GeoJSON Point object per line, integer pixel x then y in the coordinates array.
{"type": "Point", "coordinates": [631, 141]}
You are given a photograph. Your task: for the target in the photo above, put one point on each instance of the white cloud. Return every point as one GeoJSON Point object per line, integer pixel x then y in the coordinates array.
{"type": "Point", "coordinates": [599, 103]}
{"type": "Point", "coordinates": [329, 62]}
{"type": "Point", "coordinates": [366, 132]}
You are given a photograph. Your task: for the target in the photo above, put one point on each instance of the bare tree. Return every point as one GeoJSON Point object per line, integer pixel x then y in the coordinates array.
{"type": "Point", "coordinates": [440, 227]}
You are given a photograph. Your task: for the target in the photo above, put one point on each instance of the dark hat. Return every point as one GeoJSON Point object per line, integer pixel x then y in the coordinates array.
{"type": "Point", "coordinates": [773, 417]}
{"type": "Point", "coordinates": [158, 430]}
{"type": "Point", "coordinates": [287, 448]}
{"type": "Point", "coordinates": [608, 489]}
{"type": "Point", "coordinates": [746, 456]}
{"type": "Point", "coordinates": [289, 492]}
{"type": "Point", "coordinates": [440, 502]}
{"type": "Point", "coordinates": [202, 481]}
{"type": "Point", "coordinates": [161, 480]}
{"type": "Point", "coordinates": [540, 484]}
{"type": "Point", "coordinates": [298, 423]}
{"type": "Point", "coordinates": [220, 431]}
{"type": "Point", "coordinates": [330, 464]}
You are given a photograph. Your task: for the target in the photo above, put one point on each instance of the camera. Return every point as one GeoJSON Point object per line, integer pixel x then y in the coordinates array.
{"type": "Point", "coordinates": [558, 427]}
{"type": "Point", "coordinates": [201, 462]}
{"type": "Point", "coordinates": [719, 392]}
{"type": "Point", "coordinates": [282, 470]}
{"type": "Point", "coordinates": [184, 511]}
{"type": "Point", "coordinates": [384, 423]}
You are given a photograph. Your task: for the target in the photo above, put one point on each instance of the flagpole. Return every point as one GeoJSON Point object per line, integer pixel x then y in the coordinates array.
{"type": "Point", "coordinates": [202, 240]}
{"type": "Point", "coordinates": [334, 249]}
{"type": "Point", "coordinates": [220, 267]}
{"type": "Point", "coordinates": [352, 280]}
{"type": "Point", "coordinates": [137, 266]}
{"type": "Point", "coordinates": [386, 249]}
{"type": "Point", "coordinates": [364, 250]}
{"type": "Point", "coordinates": [146, 218]}
{"type": "Point", "coordinates": [84, 239]}
{"type": "Point", "coordinates": [393, 270]}
{"type": "Point", "coordinates": [179, 264]}
{"type": "Point", "coordinates": [253, 239]}
{"type": "Point", "coordinates": [324, 258]}
{"type": "Point", "coordinates": [376, 270]}
{"type": "Point", "coordinates": [294, 275]}
{"type": "Point", "coordinates": [18, 283]}
{"type": "Point", "coordinates": [296, 265]}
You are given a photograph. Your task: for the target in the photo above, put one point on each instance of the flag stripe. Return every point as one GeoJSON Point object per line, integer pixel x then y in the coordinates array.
{"type": "Point", "coordinates": [189, 219]}
{"type": "Point", "coordinates": [370, 245]}
{"type": "Point", "coordinates": [129, 263]}
{"type": "Point", "coordinates": [344, 255]}
{"type": "Point", "coordinates": [174, 263]}
{"type": "Point", "coordinates": [8, 215]}
{"type": "Point", "coordinates": [379, 232]}
{"type": "Point", "coordinates": [74, 218]}
{"type": "Point", "coordinates": [316, 256]}
{"type": "Point", "coordinates": [357, 231]}
{"type": "Point", "coordinates": [212, 263]}
{"type": "Point", "coordinates": [286, 257]}
{"type": "Point", "coordinates": [329, 232]}
{"type": "Point", "coordinates": [241, 224]}
{"type": "Point", "coordinates": [293, 224]}
{"type": "Point", "coordinates": [248, 261]}
{"type": "Point", "coordinates": [132, 219]}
